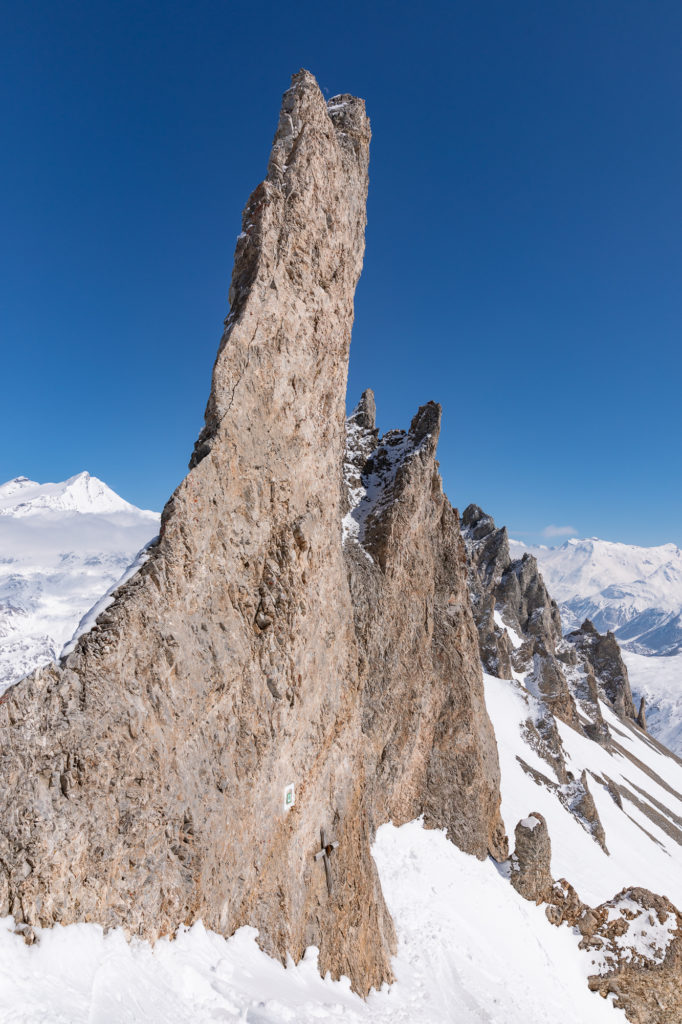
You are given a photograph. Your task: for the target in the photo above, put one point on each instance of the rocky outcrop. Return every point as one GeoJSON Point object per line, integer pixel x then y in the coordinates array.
{"type": "Point", "coordinates": [641, 714]}
{"type": "Point", "coordinates": [531, 859]}
{"type": "Point", "coordinates": [576, 797]}
{"type": "Point", "coordinates": [603, 655]}
{"type": "Point", "coordinates": [515, 584]}
{"type": "Point", "coordinates": [144, 780]}
{"type": "Point", "coordinates": [634, 940]}
{"type": "Point", "coordinates": [636, 943]}
{"type": "Point", "coordinates": [519, 630]}
{"type": "Point", "coordinates": [546, 680]}
{"type": "Point", "coordinates": [488, 557]}
{"type": "Point", "coordinates": [425, 725]}
{"type": "Point", "coordinates": [585, 691]}
{"type": "Point", "coordinates": [519, 624]}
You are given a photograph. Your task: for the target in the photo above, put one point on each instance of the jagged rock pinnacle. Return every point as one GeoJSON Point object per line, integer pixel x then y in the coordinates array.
{"type": "Point", "coordinates": [641, 715]}
{"type": "Point", "coordinates": [145, 778]}
{"type": "Point", "coordinates": [365, 412]}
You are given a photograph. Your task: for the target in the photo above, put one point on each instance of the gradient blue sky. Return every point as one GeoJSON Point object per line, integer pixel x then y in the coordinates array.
{"type": "Point", "coordinates": [524, 245]}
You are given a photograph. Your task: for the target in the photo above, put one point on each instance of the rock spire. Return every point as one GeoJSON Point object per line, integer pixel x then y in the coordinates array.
{"type": "Point", "coordinates": [254, 683]}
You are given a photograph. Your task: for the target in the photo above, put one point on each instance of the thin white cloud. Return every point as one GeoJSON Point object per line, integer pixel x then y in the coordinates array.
{"type": "Point", "coordinates": [559, 531]}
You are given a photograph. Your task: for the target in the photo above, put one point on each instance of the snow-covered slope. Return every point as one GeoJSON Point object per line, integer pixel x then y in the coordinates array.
{"type": "Point", "coordinates": [470, 948]}
{"type": "Point", "coordinates": [471, 951]}
{"type": "Point", "coordinates": [61, 547]}
{"type": "Point", "coordinates": [635, 592]}
{"type": "Point", "coordinates": [642, 838]}
{"type": "Point", "coordinates": [659, 680]}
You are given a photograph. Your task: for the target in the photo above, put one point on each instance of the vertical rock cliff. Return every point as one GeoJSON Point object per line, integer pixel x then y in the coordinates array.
{"type": "Point", "coordinates": [423, 712]}
{"type": "Point", "coordinates": [143, 781]}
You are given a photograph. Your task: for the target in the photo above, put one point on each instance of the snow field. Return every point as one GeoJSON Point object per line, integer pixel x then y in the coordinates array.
{"type": "Point", "coordinates": [470, 951]}
{"type": "Point", "coordinates": [634, 858]}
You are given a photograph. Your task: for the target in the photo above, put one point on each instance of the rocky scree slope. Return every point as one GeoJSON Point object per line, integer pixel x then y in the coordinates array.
{"type": "Point", "coordinates": [143, 779]}
{"type": "Point", "coordinates": [587, 757]}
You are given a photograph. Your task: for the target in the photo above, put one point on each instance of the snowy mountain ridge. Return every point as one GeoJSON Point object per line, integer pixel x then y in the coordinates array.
{"type": "Point", "coordinates": [62, 546]}
{"type": "Point", "coordinates": [258, 652]}
{"type": "Point", "coordinates": [470, 947]}
{"type": "Point", "coordinates": [636, 592]}
{"type": "Point", "coordinates": [81, 493]}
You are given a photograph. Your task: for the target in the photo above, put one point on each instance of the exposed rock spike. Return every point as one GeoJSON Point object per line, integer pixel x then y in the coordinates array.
{"type": "Point", "coordinates": [531, 859]}
{"type": "Point", "coordinates": [144, 779]}
{"type": "Point", "coordinates": [603, 655]}
{"type": "Point", "coordinates": [365, 412]}
{"type": "Point", "coordinates": [509, 594]}
{"type": "Point", "coordinates": [420, 669]}
{"type": "Point", "coordinates": [547, 681]}
{"type": "Point", "coordinates": [641, 714]}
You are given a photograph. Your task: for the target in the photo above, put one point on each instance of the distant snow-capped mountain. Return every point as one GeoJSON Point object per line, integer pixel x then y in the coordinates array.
{"type": "Point", "coordinates": [62, 546]}
{"type": "Point", "coordinates": [635, 592]}
{"type": "Point", "coordinates": [81, 493]}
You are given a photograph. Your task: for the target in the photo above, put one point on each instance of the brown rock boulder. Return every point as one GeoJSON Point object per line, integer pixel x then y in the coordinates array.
{"type": "Point", "coordinates": [530, 861]}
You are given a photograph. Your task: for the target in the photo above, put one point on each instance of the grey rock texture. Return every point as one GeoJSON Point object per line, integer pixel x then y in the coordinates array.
{"type": "Point", "coordinates": [509, 599]}
{"type": "Point", "coordinates": [143, 780]}
{"type": "Point", "coordinates": [515, 589]}
{"type": "Point", "coordinates": [519, 628]}
{"type": "Point", "coordinates": [576, 797]}
{"type": "Point", "coordinates": [603, 655]}
{"type": "Point", "coordinates": [641, 714]}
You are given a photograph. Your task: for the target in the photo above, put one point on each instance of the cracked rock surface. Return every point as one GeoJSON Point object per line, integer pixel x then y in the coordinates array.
{"type": "Point", "coordinates": [144, 779]}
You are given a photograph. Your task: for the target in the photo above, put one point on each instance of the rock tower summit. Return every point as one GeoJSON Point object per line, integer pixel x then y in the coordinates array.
{"type": "Point", "coordinates": [256, 654]}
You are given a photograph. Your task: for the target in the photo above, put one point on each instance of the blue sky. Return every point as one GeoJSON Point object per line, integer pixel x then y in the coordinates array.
{"type": "Point", "coordinates": [524, 244]}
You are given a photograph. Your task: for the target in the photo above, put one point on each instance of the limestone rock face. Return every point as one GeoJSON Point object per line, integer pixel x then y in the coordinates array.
{"type": "Point", "coordinates": [519, 629]}
{"type": "Point", "coordinates": [425, 726]}
{"type": "Point", "coordinates": [516, 591]}
{"type": "Point", "coordinates": [144, 779]}
{"type": "Point", "coordinates": [603, 654]}
{"type": "Point", "coordinates": [530, 862]}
